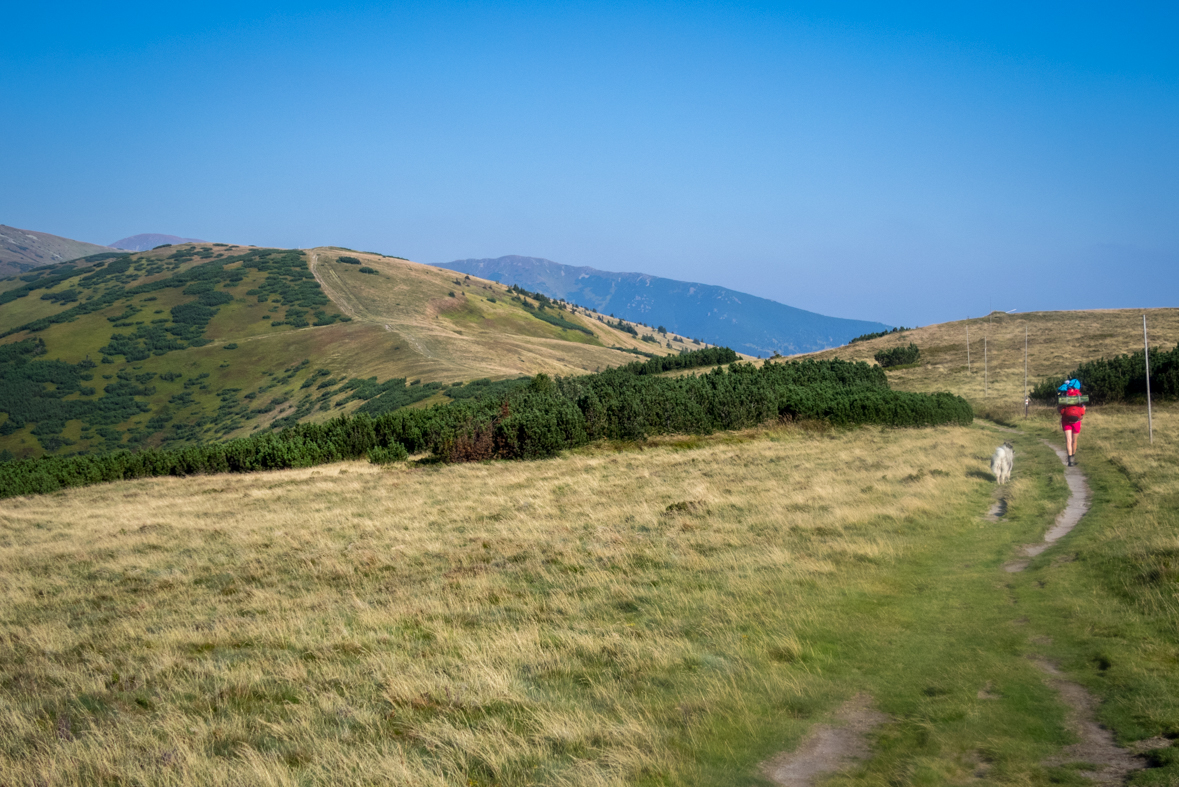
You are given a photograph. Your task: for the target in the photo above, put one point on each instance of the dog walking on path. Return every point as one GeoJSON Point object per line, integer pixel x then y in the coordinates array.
{"type": "Point", "coordinates": [1003, 462]}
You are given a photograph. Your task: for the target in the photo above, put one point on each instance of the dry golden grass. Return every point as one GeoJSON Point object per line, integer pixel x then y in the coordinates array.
{"type": "Point", "coordinates": [597, 619]}
{"type": "Point", "coordinates": [442, 338]}
{"type": "Point", "coordinates": [1057, 342]}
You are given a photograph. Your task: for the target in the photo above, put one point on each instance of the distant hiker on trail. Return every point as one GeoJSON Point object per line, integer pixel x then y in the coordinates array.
{"type": "Point", "coordinates": [1071, 413]}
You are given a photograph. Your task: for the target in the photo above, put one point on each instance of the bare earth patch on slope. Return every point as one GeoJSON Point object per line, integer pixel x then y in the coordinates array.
{"type": "Point", "coordinates": [828, 748]}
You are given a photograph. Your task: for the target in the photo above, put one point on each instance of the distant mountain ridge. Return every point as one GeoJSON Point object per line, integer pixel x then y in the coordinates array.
{"type": "Point", "coordinates": [148, 241]}
{"type": "Point", "coordinates": [23, 250]}
{"type": "Point", "coordinates": [717, 315]}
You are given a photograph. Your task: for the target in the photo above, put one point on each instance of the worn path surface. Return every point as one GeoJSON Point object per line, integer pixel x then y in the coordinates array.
{"type": "Point", "coordinates": [828, 747]}
{"type": "Point", "coordinates": [1078, 504]}
{"type": "Point", "coordinates": [1096, 746]}
{"type": "Point", "coordinates": [831, 747]}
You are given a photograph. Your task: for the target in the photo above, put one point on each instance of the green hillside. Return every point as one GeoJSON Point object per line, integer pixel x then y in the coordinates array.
{"type": "Point", "coordinates": [202, 342]}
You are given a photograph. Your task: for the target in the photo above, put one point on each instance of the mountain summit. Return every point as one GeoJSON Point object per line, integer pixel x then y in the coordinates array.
{"type": "Point", "coordinates": [150, 240]}
{"type": "Point", "coordinates": [717, 315]}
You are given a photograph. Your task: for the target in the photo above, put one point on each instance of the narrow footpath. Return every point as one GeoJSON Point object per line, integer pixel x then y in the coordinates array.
{"type": "Point", "coordinates": [1096, 747]}
{"type": "Point", "coordinates": [846, 741]}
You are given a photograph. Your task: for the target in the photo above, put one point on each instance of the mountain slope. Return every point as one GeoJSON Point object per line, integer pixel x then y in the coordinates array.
{"type": "Point", "coordinates": [23, 250]}
{"type": "Point", "coordinates": [192, 343]}
{"type": "Point", "coordinates": [717, 315]}
{"type": "Point", "coordinates": [989, 371]}
{"type": "Point", "coordinates": [148, 241]}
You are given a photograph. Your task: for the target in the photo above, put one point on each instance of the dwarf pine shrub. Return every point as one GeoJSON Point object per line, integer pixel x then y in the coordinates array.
{"type": "Point", "coordinates": [536, 419]}
{"type": "Point", "coordinates": [898, 356]}
{"type": "Point", "coordinates": [1121, 378]}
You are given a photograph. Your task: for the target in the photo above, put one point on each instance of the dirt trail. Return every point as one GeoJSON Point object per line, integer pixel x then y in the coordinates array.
{"type": "Point", "coordinates": [1078, 504]}
{"type": "Point", "coordinates": [1096, 745]}
{"type": "Point", "coordinates": [348, 308]}
{"type": "Point", "coordinates": [828, 748]}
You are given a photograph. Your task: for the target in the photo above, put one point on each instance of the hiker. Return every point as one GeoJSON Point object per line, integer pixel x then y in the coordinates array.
{"type": "Point", "coordinates": [1070, 418]}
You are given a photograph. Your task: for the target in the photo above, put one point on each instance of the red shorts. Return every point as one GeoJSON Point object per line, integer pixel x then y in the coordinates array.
{"type": "Point", "coordinates": [1075, 426]}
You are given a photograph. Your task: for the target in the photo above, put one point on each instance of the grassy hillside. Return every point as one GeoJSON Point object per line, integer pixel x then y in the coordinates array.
{"type": "Point", "coordinates": [200, 342]}
{"type": "Point", "coordinates": [673, 616]}
{"type": "Point", "coordinates": [607, 618]}
{"type": "Point", "coordinates": [670, 612]}
{"type": "Point", "coordinates": [1057, 342]}
{"type": "Point", "coordinates": [24, 250]}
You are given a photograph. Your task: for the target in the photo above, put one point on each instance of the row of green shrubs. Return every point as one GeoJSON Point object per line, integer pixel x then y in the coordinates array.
{"type": "Point", "coordinates": [868, 336]}
{"type": "Point", "coordinates": [1121, 378]}
{"type": "Point", "coordinates": [537, 420]}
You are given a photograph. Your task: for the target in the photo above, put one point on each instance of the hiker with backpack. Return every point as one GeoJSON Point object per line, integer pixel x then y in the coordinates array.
{"type": "Point", "coordinates": [1071, 412]}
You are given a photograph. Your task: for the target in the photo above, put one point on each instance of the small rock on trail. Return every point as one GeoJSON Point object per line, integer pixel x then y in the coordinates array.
{"type": "Point", "coordinates": [828, 748]}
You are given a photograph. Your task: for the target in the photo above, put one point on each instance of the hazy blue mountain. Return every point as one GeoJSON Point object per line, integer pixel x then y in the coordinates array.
{"type": "Point", "coordinates": [747, 323]}
{"type": "Point", "coordinates": [23, 250]}
{"type": "Point", "coordinates": [149, 241]}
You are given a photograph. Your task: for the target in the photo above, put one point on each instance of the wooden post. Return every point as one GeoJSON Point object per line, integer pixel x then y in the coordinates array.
{"type": "Point", "coordinates": [968, 347]}
{"type": "Point", "coordinates": [1025, 372]}
{"type": "Point", "coordinates": [985, 368]}
{"type": "Point", "coordinates": [1146, 348]}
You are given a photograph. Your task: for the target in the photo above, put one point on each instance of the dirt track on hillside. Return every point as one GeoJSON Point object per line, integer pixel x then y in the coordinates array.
{"type": "Point", "coordinates": [832, 747]}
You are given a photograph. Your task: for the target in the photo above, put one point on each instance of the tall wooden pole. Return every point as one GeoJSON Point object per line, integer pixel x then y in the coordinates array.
{"type": "Point", "coordinates": [968, 347]}
{"type": "Point", "coordinates": [1149, 417]}
{"type": "Point", "coordinates": [986, 335]}
{"type": "Point", "coordinates": [1025, 371]}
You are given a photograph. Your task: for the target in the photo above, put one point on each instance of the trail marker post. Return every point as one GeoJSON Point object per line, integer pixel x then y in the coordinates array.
{"type": "Point", "coordinates": [985, 368]}
{"type": "Point", "coordinates": [1146, 349]}
{"type": "Point", "coordinates": [968, 347]}
{"type": "Point", "coordinates": [1026, 401]}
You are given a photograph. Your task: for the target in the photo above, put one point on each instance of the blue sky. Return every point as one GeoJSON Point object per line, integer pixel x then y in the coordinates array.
{"type": "Point", "coordinates": [908, 166]}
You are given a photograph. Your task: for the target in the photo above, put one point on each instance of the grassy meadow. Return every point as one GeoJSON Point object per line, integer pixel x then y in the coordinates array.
{"type": "Point", "coordinates": [673, 612]}
{"type": "Point", "coordinates": [667, 613]}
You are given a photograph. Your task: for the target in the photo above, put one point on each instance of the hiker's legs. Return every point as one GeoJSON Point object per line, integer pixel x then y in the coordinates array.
{"type": "Point", "coordinates": [1071, 433]}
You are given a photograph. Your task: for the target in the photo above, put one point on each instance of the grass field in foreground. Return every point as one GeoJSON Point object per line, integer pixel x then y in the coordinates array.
{"type": "Point", "coordinates": [1110, 595]}
{"type": "Point", "coordinates": [672, 613]}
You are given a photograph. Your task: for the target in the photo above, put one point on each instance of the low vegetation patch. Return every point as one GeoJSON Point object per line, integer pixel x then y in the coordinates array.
{"type": "Point", "coordinates": [898, 356]}
{"type": "Point", "coordinates": [1120, 378]}
{"type": "Point", "coordinates": [536, 420]}
{"type": "Point", "coordinates": [867, 336]}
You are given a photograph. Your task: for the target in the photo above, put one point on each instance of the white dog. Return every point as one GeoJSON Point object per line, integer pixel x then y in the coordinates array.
{"type": "Point", "coordinates": [1003, 462]}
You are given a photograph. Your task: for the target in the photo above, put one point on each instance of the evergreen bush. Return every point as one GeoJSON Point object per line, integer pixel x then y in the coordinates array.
{"type": "Point", "coordinates": [898, 356]}
{"type": "Point", "coordinates": [387, 456]}
{"type": "Point", "coordinates": [1121, 378]}
{"type": "Point", "coordinates": [527, 420]}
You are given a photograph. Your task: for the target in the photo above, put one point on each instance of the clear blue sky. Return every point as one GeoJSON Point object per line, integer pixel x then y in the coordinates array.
{"type": "Point", "coordinates": [907, 166]}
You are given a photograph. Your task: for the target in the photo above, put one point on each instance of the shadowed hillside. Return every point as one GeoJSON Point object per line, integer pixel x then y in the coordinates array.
{"type": "Point", "coordinates": [747, 323]}
{"type": "Point", "coordinates": [23, 250]}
